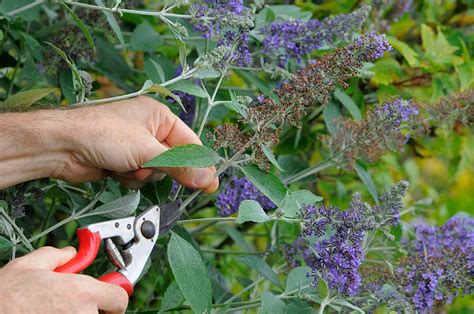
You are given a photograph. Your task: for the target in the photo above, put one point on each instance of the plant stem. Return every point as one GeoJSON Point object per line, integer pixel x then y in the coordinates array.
{"type": "Point", "coordinates": [23, 8]}
{"type": "Point", "coordinates": [211, 103]}
{"type": "Point", "coordinates": [159, 14]}
{"type": "Point", "coordinates": [72, 217]}
{"type": "Point", "coordinates": [140, 92]}
{"type": "Point", "coordinates": [19, 232]}
{"type": "Point", "coordinates": [217, 251]}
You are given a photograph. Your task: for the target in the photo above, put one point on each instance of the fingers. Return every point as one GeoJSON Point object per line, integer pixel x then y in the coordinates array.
{"type": "Point", "coordinates": [173, 131]}
{"type": "Point", "coordinates": [106, 296]}
{"type": "Point", "coordinates": [47, 258]}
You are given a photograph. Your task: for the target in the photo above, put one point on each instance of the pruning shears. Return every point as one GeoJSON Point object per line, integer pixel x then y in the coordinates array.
{"type": "Point", "coordinates": [128, 243]}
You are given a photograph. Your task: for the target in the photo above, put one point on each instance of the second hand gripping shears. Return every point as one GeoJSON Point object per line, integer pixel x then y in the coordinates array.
{"type": "Point", "coordinates": [128, 243]}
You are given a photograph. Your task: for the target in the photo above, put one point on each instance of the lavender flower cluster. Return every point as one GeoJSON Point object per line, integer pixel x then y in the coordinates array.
{"type": "Point", "coordinates": [232, 20]}
{"type": "Point", "coordinates": [235, 192]}
{"type": "Point", "coordinates": [293, 39]}
{"type": "Point", "coordinates": [439, 264]}
{"type": "Point", "coordinates": [332, 241]}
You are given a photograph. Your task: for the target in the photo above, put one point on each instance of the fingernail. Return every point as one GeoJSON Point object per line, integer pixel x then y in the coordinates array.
{"type": "Point", "coordinates": [204, 178]}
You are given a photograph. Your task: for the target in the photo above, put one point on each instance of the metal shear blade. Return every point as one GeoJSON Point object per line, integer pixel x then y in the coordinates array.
{"type": "Point", "coordinates": [169, 215]}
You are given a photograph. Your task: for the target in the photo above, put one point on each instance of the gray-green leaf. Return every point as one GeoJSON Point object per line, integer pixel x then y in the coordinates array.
{"type": "Point", "coordinates": [268, 152]}
{"type": "Point", "coordinates": [297, 280]}
{"type": "Point", "coordinates": [5, 244]}
{"type": "Point", "coordinates": [173, 298]}
{"type": "Point", "coordinates": [261, 267]}
{"type": "Point", "coordinates": [145, 37]}
{"type": "Point", "coordinates": [271, 304]}
{"type": "Point", "coordinates": [268, 183]}
{"type": "Point", "coordinates": [112, 22]}
{"type": "Point", "coordinates": [250, 210]}
{"type": "Point", "coordinates": [119, 208]}
{"type": "Point", "coordinates": [367, 179]}
{"type": "Point", "coordinates": [81, 25]}
{"type": "Point", "coordinates": [190, 274]}
{"type": "Point", "coordinates": [347, 102]}
{"type": "Point", "coordinates": [293, 202]}
{"type": "Point", "coordinates": [188, 87]}
{"type": "Point", "coordinates": [191, 155]}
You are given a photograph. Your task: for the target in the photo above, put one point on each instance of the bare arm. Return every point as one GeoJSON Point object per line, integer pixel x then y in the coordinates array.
{"type": "Point", "coordinates": [89, 143]}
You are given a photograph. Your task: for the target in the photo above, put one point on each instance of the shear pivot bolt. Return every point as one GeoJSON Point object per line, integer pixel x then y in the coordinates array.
{"type": "Point", "coordinates": [148, 229]}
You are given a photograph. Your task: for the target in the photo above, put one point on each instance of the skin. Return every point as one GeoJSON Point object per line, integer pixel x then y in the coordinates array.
{"type": "Point", "coordinates": [80, 145]}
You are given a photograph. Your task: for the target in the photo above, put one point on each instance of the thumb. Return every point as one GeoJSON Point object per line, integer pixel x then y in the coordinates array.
{"type": "Point", "coordinates": [47, 258]}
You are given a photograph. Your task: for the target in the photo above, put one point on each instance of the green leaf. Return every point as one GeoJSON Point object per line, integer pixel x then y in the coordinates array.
{"type": "Point", "coordinates": [298, 280]}
{"type": "Point", "coordinates": [299, 307]}
{"type": "Point", "coordinates": [268, 183]}
{"type": "Point", "coordinates": [409, 54]}
{"type": "Point", "coordinates": [5, 244]}
{"type": "Point", "coordinates": [330, 114]}
{"type": "Point", "coordinates": [66, 84]}
{"type": "Point", "coordinates": [271, 304]}
{"type": "Point", "coordinates": [144, 37]}
{"type": "Point", "coordinates": [188, 87]}
{"type": "Point", "coordinates": [237, 237]}
{"type": "Point", "coordinates": [24, 99]}
{"type": "Point", "coordinates": [268, 152]}
{"type": "Point", "coordinates": [438, 49]}
{"type": "Point", "coordinates": [294, 201]}
{"type": "Point", "coordinates": [466, 75]}
{"type": "Point", "coordinates": [237, 106]}
{"type": "Point", "coordinates": [149, 87]}
{"type": "Point", "coordinates": [173, 298]}
{"type": "Point", "coordinates": [258, 264]}
{"type": "Point", "coordinates": [386, 71]}
{"type": "Point", "coordinates": [154, 70]}
{"type": "Point", "coordinates": [348, 103]}
{"type": "Point", "coordinates": [190, 274]}
{"type": "Point", "coordinates": [191, 155]}
{"type": "Point", "coordinates": [367, 179]}
{"type": "Point", "coordinates": [112, 22]}
{"type": "Point", "coordinates": [250, 210]}
{"type": "Point", "coordinates": [255, 81]}
{"type": "Point", "coordinates": [322, 288]}
{"type": "Point", "coordinates": [81, 25]}
{"type": "Point", "coordinates": [119, 208]}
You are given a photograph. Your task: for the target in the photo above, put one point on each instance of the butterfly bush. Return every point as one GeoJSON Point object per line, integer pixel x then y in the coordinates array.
{"type": "Point", "coordinates": [307, 60]}
{"type": "Point", "coordinates": [294, 39]}
{"type": "Point", "coordinates": [332, 241]}
{"type": "Point", "coordinates": [439, 264]}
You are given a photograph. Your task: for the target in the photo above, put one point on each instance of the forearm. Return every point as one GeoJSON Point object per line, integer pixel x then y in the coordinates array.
{"type": "Point", "coordinates": [33, 145]}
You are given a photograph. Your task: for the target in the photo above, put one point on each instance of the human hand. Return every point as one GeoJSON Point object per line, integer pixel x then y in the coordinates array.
{"type": "Point", "coordinates": [119, 137]}
{"type": "Point", "coordinates": [30, 285]}
{"type": "Point", "coordinates": [89, 143]}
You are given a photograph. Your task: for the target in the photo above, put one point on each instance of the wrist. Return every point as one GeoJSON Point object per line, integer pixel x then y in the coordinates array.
{"type": "Point", "coordinates": [34, 144]}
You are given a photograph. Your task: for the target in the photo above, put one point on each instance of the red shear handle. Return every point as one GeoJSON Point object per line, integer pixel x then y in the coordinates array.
{"type": "Point", "coordinates": [89, 244]}
{"type": "Point", "coordinates": [118, 279]}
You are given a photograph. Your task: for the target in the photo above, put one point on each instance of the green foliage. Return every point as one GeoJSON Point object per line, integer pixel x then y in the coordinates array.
{"type": "Point", "coordinates": [238, 263]}
{"type": "Point", "coordinates": [190, 273]}
{"type": "Point", "coordinates": [191, 155]}
{"type": "Point", "coordinates": [251, 211]}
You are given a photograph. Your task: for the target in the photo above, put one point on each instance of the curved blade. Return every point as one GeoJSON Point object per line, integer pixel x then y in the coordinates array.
{"type": "Point", "coordinates": [169, 215]}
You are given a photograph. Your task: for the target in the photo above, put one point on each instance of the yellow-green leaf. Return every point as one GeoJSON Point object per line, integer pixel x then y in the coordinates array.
{"type": "Point", "coordinates": [409, 54]}
{"type": "Point", "coordinates": [24, 99]}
